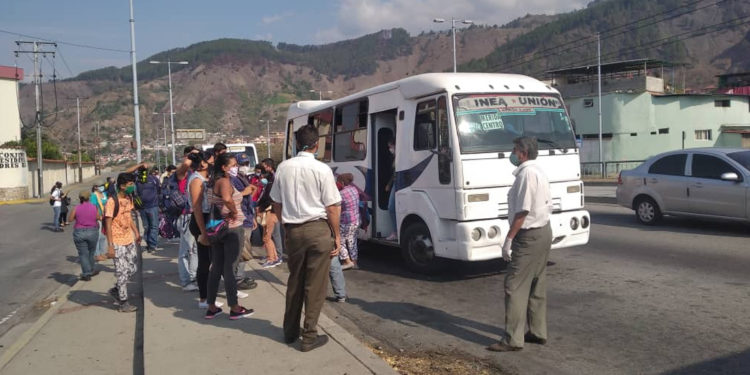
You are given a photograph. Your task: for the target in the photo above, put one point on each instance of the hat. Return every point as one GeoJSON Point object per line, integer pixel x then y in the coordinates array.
{"type": "Point", "coordinates": [84, 194]}
{"type": "Point", "coordinates": [242, 158]}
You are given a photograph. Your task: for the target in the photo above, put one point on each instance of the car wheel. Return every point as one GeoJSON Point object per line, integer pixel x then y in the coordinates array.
{"type": "Point", "coordinates": [418, 251]}
{"type": "Point", "coordinates": [647, 211]}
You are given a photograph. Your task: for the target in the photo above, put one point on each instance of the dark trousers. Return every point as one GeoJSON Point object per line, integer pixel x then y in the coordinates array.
{"type": "Point", "coordinates": [308, 247]}
{"type": "Point", "coordinates": [204, 258]}
{"type": "Point", "coordinates": [223, 255]}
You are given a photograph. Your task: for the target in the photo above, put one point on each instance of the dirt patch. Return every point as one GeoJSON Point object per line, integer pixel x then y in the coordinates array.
{"type": "Point", "coordinates": [437, 362]}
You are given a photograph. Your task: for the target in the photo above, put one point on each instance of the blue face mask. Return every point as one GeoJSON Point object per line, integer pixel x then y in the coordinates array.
{"type": "Point", "coordinates": [101, 189]}
{"type": "Point", "coordinates": [514, 159]}
{"type": "Point", "coordinates": [264, 181]}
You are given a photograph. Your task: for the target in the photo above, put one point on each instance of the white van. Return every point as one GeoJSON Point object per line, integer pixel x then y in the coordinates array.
{"type": "Point", "coordinates": [239, 148]}
{"type": "Point", "coordinates": [453, 134]}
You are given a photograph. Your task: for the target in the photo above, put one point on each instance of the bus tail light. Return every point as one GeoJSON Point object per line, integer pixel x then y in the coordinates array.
{"type": "Point", "coordinates": [585, 222]}
{"type": "Point", "coordinates": [476, 234]}
{"type": "Point", "coordinates": [493, 232]}
{"type": "Point", "coordinates": [574, 223]}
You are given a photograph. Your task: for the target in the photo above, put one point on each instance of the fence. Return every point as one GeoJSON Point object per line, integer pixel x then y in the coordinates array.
{"type": "Point", "coordinates": [607, 169]}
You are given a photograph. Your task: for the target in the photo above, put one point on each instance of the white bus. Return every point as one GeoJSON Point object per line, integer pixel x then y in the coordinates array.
{"type": "Point", "coordinates": [239, 148]}
{"type": "Point", "coordinates": [453, 135]}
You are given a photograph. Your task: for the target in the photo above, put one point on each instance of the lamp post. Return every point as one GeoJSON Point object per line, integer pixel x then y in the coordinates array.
{"type": "Point", "coordinates": [164, 126]}
{"type": "Point", "coordinates": [453, 32]}
{"type": "Point", "coordinates": [320, 93]}
{"type": "Point", "coordinates": [171, 107]}
{"type": "Point", "coordinates": [268, 135]}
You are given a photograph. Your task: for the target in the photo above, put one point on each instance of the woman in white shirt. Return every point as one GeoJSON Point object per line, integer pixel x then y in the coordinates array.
{"type": "Point", "coordinates": [56, 199]}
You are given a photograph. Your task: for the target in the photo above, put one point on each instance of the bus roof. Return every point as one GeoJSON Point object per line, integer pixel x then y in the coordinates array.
{"type": "Point", "coordinates": [431, 83]}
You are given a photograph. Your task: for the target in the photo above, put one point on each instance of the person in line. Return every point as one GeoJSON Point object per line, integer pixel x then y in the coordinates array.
{"type": "Point", "coordinates": [85, 233]}
{"type": "Point", "coordinates": [269, 166]}
{"type": "Point", "coordinates": [225, 250]}
{"type": "Point", "coordinates": [168, 173]}
{"type": "Point", "coordinates": [55, 197]}
{"type": "Point", "coordinates": [122, 237]}
{"type": "Point", "coordinates": [187, 256]}
{"type": "Point", "coordinates": [99, 200]}
{"type": "Point", "coordinates": [349, 220]}
{"type": "Point", "coordinates": [200, 163]}
{"type": "Point", "coordinates": [219, 148]}
{"type": "Point", "coordinates": [307, 202]}
{"type": "Point", "coordinates": [149, 189]}
{"type": "Point", "coordinates": [241, 183]}
{"type": "Point", "coordinates": [64, 209]}
{"type": "Point", "coordinates": [526, 248]}
{"type": "Point", "coordinates": [269, 221]}
{"type": "Point", "coordinates": [390, 187]}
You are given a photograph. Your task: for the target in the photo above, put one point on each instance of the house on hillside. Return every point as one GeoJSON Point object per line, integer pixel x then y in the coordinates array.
{"type": "Point", "coordinates": [643, 114]}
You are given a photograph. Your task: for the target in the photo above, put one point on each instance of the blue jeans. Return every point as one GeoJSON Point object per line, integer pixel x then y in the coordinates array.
{"type": "Point", "coordinates": [56, 216]}
{"type": "Point", "coordinates": [101, 244]}
{"type": "Point", "coordinates": [277, 240]}
{"type": "Point", "coordinates": [85, 240]}
{"type": "Point", "coordinates": [187, 256]}
{"type": "Point", "coordinates": [150, 218]}
{"type": "Point", "coordinates": [392, 209]}
{"type": "Point", "coordinates": [336, 274]}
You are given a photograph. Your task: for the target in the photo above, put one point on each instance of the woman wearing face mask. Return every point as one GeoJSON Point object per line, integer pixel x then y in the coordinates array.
{"type": "Point", "coordinates": [390, 188]}
{"type": "Point", "coordinates": [200, 163]}
{"type": "Point", "coordinates": [99, 200]}
{"type": "Point", "coordinates": [268, 221]}
{"type": "Point", "coordinates": [225, 250]}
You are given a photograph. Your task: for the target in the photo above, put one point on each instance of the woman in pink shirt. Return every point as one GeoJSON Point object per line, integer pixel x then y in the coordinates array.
{"type": "Point", "coordinates": [85, 233]}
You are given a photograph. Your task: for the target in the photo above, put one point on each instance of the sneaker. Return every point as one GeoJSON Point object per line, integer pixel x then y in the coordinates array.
{"type": "Point", "coordinates": [340, 299]}
{"type": "Point", "coordinates": [243, 313]}
{"type": "Point", "coordinates": [246, 284]}
{"type": "Point", "coordinates": [86, 278]}
{"type": "Point", "coordinates": [157, 248]}
{"type": "Point", "coordinates": [347, 266]}
{"type": "Point", "coordinates": [212, 314]}
{"type": "Point", "coordinates": [204, 304]}
{"type": "Point", "coordinates": [127, 307]}
{"type": "Point", "coordinates": [392, 237]}
{"type": "Point", "coordinates": [149, 249]}
{"type": "Point", "coordinates": [269, 264]}
{"type": "Point", "coordinates": [115, 294]}
{"type": "Point", "coordinates": [190, 287]}
{"type": "Point", "coordinates": [241, 294]}
{"type": "Point", "coordinates": [278, 262]}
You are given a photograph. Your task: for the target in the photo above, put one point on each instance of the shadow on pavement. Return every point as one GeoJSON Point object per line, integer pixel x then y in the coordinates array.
{"type": "Point", "coordinates": [91, 298]}
{"type": "Point", "coordinates": [63, 278]}
{"type": "Point", "coordinates": [732, 364]}
{"type": "Point", "coordinates": [413, 315]}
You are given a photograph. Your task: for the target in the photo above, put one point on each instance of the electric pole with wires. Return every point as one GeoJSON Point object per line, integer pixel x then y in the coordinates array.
{"type": "Point", "coordinates": [38, 50]}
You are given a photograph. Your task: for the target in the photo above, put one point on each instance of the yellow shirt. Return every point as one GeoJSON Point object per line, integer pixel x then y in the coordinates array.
{"type": "Point", "coordinates": [122, 233]}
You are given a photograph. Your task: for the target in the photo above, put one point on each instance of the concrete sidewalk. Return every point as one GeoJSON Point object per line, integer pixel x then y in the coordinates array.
{"type": "Point", "coordinates": [177, 338]}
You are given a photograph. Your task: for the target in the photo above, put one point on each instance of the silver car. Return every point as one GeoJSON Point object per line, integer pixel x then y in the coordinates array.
{"type": "Point", "coordinates": [701, 182]}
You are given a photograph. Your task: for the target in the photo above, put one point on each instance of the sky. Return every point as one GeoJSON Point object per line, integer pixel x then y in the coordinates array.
{"type": "Point", "coordinates": [164, 24]}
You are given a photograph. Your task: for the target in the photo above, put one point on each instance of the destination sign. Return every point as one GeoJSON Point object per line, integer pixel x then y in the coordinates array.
{"type": "Point", "coordinates": [509, 103]}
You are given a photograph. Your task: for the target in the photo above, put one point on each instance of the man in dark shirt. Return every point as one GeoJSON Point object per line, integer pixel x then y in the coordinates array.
{"type": "Point", "coordinates": [149, 190]}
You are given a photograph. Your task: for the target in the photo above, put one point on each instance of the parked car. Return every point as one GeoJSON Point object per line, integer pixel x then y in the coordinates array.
{"type": "Point", "coordinates": [700, 182]}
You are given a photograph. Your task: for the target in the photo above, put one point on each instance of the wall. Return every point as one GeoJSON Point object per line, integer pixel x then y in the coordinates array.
{"type": "Point", "coordinates": [590, 88]}
{"type": "Point", "coordinates": [13, 174]}
{"type": "Point", "coordinates": [10, 123]}
{"type": "Point", "coordinates": [56, 170]}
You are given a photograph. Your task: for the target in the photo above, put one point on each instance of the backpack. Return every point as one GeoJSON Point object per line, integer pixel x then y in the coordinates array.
{"type": "Point", "coordinates": [166, 228]}
{"type": "Point", "coordinates": [173, 200]}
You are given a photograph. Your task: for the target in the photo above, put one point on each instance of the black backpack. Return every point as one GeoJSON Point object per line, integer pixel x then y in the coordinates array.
{"type": "Point", "coordinates": [174, 202]}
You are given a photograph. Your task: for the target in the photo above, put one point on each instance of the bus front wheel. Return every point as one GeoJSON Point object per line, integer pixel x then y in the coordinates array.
{"type": "Point", "coordinates": [418, 250]}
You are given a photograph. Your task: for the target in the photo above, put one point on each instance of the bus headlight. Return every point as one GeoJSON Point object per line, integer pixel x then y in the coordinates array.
{"type": "Point", "coordinates": [493, 232]}
{"type": "Point", "coordinates": [476, 234]}
{"type": "Point", "coordinates": [585, 222]}
{"type": "Point", "coordinates": [478, 197]}
{"type": "Point", "coordinates": [574, 223]}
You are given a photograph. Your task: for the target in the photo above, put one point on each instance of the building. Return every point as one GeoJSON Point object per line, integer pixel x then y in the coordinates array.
{"type": "Point", "coordinates": [643, 113]}
{"type": "Point", "coordinates": [13, 163]}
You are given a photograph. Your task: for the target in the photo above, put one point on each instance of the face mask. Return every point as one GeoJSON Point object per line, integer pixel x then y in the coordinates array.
{"type": "Point", "coordinates": [264, 181]}
{"type": "Point", "coordinates": [234, 171]}
{"type": "Point", "coordinates": [339, 185]}
{"type": "Point", "coordinates": [514, 159]}
{"type": "Point", "coordinates": [245, 170]}
{"type": "Point", "coordinates": [101, 188]}
{"type": "Point", "coordinates": [130, 189]}
{"type": "Point", "coordinates": [257, 174]}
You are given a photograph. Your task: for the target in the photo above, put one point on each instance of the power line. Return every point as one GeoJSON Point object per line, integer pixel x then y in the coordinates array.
{"type": "Point", "coordinates": [79, 45]}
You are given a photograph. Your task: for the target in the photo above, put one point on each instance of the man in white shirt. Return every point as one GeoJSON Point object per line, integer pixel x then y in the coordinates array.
{"type": "Point", "coordinates": [308, 204]}
{"type": "Point", "coordinates": [526, 250]}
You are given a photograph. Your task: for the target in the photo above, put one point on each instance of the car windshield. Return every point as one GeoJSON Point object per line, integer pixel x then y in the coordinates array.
{"type": "Point", "coordinates": [490, 122]}
{"type": "Point", "coordinates": [742, 157]}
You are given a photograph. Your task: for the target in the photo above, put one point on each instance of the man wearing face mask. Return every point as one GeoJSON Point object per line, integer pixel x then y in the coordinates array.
{"type": "Point", "coordinates": [242, 184]}
{"type": "Point", "coordinates": [526, 250]}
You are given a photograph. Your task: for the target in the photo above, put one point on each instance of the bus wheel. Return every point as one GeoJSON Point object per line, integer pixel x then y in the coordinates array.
{"type": "Point", "coordinates": [418, 251]}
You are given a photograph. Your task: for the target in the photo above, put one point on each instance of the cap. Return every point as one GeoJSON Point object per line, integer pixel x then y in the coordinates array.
{"type": "Point", "coordinates": [84, 194]}
{"type": "Point", "coordinates": [242, 158]}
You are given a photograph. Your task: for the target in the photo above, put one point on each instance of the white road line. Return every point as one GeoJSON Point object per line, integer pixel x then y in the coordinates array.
{"type": "Point", "coordinates": [7, 317]}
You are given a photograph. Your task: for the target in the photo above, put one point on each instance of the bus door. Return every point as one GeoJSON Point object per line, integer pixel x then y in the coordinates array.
{"type": "Point", "coordinates": [384, 129]}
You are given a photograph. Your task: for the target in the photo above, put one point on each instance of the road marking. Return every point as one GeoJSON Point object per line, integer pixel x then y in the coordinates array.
{"type": "Point", "coordinates": [7, 317]}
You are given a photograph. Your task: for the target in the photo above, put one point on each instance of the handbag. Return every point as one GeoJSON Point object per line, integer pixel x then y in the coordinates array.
{"type": "Point", "coordinates": [216, 226]}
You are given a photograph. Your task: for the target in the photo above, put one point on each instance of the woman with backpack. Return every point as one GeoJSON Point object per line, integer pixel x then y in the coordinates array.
{"type": "Point", "coordinates": [55, 199]}
{"type": "Point", "coordinates": [225, 246]}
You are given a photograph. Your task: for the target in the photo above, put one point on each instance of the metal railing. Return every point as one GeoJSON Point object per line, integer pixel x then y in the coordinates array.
{"type": "Point", "coordinates": [607, 169]}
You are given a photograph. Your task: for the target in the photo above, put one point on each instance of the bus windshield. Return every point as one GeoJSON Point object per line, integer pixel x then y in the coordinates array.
{"type": "Point", "coordinates": [490, 122]}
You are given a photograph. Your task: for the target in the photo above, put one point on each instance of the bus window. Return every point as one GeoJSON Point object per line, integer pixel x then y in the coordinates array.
{"type": "Point", "coordinates": [291, 146]}
{"type": "Point", "coordinates": [351, 132]}
{"type": "Point", "coordinates": [322, 121]}
{"type": "Point", "coordinates": [424, 126]}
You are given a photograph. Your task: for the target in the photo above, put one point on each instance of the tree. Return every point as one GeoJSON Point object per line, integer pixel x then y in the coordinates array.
{"type": "Point", "coordinates": [50, 150]}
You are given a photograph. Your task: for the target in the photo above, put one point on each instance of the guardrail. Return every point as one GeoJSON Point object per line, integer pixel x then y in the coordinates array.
{"type": "Point", "coordinates": [607, 169]}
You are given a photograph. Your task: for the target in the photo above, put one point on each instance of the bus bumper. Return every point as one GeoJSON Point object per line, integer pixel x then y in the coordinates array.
{"type": "Point", "coordinates": [563, 235]}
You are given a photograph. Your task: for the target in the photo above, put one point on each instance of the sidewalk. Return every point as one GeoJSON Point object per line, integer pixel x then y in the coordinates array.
{"type": "Point", "coordinates": [84, 333]}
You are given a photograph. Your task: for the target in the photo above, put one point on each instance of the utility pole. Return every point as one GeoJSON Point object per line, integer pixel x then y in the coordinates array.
{"type": "Point", "coordinates": [78, 112]}
{"type": "Point", "coordinates": [599, 73]}
{"type": "Point", "coordinates": [98, 141]}
{"type": "Point", "coordinates": [453, 33]}
{"type": "Point", "coordinates": [38, 114]}
{"type": "Point", "coordinates": [169, 63]}
{"type": "Point", "coordinates": [135, 87]}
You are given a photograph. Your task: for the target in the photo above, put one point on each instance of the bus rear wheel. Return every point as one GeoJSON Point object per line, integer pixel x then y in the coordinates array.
{"type": "Point", "coordinates": [418, 250]}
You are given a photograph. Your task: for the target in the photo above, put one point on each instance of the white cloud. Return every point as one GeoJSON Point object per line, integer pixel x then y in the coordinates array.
{"type": "Point", "coordinates": [358, 17]}
{"type": "Point", "coordinates": [266, 36]}
{"type": "Point", "coordinates": [267, 20]}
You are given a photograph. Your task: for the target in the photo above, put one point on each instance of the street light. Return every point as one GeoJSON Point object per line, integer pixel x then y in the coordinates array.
{"type": "Point", "coordinates": [171, 108]}
{"type": "Point", "coordinates": [268, 135]}
{"type": "Point", "coordinates": [164, 126]}
{"type": "Point", "coordinates": [453, 32]}
{"type": "Point", "coordinates": [320, 93]}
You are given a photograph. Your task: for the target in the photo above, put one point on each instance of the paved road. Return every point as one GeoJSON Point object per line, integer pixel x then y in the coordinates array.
{"type": "Point", "coordinates": [35, 261]}
{"type": "Point", "coordinates": [666, 299]}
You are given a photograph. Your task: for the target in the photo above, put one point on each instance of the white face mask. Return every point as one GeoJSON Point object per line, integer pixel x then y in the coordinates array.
{"type": "Point", "coordinates": [244, 170]}
{"type": "Point", "coordinates": [233, 171]}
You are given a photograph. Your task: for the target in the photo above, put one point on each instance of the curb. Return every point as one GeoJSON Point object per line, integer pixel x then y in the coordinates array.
{"type": "Point", "coordinates": [62, 293]}
{"type": "Point", "coordinates": [22, 201]}
{"type": "Point", "coordinates": [337, 333]}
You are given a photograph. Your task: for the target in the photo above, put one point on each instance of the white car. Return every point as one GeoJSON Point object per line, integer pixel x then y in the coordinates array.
{"type": "Point", "coordinates": [701, 182]}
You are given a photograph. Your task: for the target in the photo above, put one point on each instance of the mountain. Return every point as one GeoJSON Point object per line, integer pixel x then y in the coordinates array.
{"type": "Point", "coordinates": [230, 85]}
